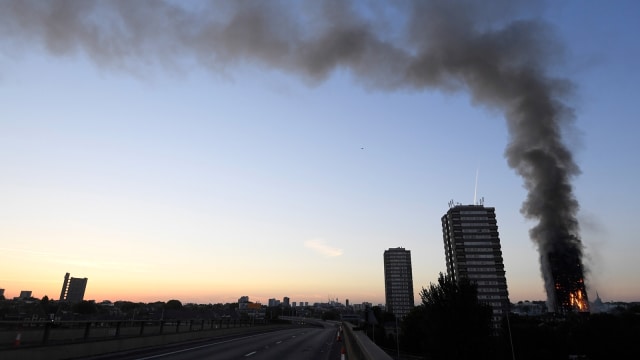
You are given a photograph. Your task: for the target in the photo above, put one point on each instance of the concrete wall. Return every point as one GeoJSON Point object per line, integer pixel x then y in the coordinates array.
{"type": "Point", "coordinates": [360, 347]}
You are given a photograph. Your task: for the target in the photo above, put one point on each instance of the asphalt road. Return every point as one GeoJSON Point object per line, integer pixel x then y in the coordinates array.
{"type": "Point", "coordinates": [304, 343]}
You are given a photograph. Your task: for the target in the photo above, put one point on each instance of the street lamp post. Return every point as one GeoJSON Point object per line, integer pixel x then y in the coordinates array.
{"type": "Point", "coordinates": [397, 339]}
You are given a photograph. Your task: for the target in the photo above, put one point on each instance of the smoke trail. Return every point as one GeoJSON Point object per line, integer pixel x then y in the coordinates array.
{"type": "Point", "coordinates": [484, 48]}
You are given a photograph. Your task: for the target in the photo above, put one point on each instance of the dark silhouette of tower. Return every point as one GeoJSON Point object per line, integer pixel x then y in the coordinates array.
{"type": "Point", "coordinates": [398, 281]}
{"type": "Point", "coordinates": [73, 289]}
{"type": "Point", "coordinates": [472, 251]}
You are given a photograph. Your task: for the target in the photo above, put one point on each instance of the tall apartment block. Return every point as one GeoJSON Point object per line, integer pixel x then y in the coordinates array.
{"type": "Point", "coordinates": [73, 289]}
{"type": "Point", "coordinates": [472, 251]}
{"type": "Point", "coordinates": [398, 281]}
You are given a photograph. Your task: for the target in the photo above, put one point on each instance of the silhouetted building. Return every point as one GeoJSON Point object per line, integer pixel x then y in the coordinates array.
{"type": "Point", "coordinates": [73, 289]}
{"type": "Point", "coordinates": [25, 295]}
{"type": "Point", "coordinates": [472, 251]}
{"type": "Point", "coordinates": [398, 281]}
{"type": "Point", "coordinates": [243, 303]}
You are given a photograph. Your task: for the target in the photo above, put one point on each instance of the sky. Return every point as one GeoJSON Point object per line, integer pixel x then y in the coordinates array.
{"type": "Point", "coordinates": [160, 168]}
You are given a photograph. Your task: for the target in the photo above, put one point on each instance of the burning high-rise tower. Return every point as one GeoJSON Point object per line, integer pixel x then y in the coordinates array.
{"type": "Point", "coordinates": [565, 272]}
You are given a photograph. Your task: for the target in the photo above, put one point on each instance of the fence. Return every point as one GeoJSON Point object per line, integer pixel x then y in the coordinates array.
{"type": "Point", "coordinates": [32, 333]}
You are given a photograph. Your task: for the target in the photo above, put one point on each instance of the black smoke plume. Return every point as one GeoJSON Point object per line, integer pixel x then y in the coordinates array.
{"type": "Point", "coordinates": [488, 49]}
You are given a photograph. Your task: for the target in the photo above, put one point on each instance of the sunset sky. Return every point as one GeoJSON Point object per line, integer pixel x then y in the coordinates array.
{"type": "Point", "coordinates": [162, 169]}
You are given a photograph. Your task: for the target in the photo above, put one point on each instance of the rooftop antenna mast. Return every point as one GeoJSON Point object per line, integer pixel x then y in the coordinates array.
{"type": "Point", "coordinates": [475, 190]}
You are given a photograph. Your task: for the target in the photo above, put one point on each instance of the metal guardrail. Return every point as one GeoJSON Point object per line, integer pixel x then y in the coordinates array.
{"type": "Point", "coordinates": [34, 333]}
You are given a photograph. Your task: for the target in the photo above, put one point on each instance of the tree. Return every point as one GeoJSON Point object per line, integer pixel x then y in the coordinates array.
{"type": "Point", "coordinates": [413, 330]}
{"type": "Point", "coordinates": [128, 307]}
{"type": "Point", "coordinates": [85, 307]}
{"type": "Point", "coordinates": [450, 323]}
{"type": "Point", "coordinates": [46, 306]}
{"type": "Point", "coordinates": [330, 315]}
{"type": "Point", "coordinates": [173, 305]}
{"type": "Point", "coordinates": [44, 303]}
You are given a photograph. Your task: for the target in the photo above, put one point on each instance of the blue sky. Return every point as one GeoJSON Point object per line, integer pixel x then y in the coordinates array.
{"type": "Point", "coordinates": [206, 186]}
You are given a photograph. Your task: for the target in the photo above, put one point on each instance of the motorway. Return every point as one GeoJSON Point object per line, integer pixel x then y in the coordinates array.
{"type": "Point", "coordinates": [317, 342]}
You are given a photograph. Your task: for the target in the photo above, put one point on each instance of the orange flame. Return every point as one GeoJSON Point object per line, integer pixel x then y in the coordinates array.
{"type": "Point", "coordinates": [578, 301]}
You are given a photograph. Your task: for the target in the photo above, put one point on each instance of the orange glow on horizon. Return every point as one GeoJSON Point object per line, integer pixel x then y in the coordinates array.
{"type": "Point", "coordinates": [154, 289]}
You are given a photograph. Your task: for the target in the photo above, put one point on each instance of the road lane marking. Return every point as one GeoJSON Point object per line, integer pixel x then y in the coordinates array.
{"type": "Point", "coordinates": [202, 346]}
{"type": "Point", "coordinates": [249, 354]}
{"type": "Point", "coordinates": [196, 347]}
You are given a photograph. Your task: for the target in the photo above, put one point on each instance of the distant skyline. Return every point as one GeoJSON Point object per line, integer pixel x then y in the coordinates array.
{"type": "Point", "coordinates": [171, 157]}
